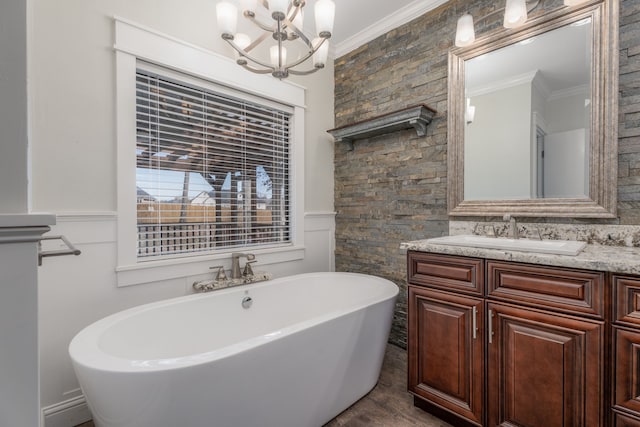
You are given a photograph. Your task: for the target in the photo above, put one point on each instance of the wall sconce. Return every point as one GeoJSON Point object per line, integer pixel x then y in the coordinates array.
{"type": "Point", "coordinates": [515, 15]}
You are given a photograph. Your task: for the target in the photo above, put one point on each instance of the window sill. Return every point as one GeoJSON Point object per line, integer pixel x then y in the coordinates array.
{"type": "Point", "coordinates": [176, 268]}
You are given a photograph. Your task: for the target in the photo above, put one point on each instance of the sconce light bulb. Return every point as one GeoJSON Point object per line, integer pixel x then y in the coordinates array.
{"type": "Point", "coordinates": [515, 13]}
{"type": "Point", "coordinates": [465, 33]}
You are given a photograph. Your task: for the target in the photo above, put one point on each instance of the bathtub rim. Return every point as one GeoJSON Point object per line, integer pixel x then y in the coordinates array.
{"type": "Point", "coordinates": [84, 349]}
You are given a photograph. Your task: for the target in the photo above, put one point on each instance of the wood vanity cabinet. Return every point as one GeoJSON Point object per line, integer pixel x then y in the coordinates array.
{"type": "Point", "coordinates": [626, 351]}
{"type": "Point", "coordinates": [446, 341]}
{"type": "Point", "coordinates": [506, 344]}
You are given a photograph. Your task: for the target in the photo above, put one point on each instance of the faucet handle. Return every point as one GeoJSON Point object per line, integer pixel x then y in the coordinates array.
{"type": "Point", "coordinates": [220, 275]}
{"type": "Point", "coordinates": [248, 271]}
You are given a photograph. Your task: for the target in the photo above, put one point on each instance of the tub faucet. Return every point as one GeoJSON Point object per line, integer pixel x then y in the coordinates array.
{"type": "Point", "coordinates": [513, 225]}
{"type": "Point", "coordinates": [235, 263]}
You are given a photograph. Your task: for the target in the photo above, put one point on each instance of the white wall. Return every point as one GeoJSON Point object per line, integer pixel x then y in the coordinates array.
{"type": "Point", "coordinates": [568, 111]}
{"type": "Point", "coordinates": [13, 107]}
{"type": "Point", "coordinates": [565, 157]}
{"type": "Point", "coordinates": [498, 141]}
{"type": "Point", "coordinates": [72, 84]}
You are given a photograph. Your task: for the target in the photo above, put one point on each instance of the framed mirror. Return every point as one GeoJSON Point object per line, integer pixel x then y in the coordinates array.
{"type": "Point", "coordinates": [532, 118]}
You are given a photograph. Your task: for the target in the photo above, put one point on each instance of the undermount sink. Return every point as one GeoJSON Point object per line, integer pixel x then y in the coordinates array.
{"type": "Point", "coordinates": [558, 247]}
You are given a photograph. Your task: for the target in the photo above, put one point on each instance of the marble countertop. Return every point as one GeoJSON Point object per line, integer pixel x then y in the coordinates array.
{"type": "Point", "coordinates": [617, 259]}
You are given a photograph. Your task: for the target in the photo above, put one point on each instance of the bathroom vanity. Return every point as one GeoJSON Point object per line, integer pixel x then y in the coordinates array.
{"type": "Point", "coordinates": [515, 338]}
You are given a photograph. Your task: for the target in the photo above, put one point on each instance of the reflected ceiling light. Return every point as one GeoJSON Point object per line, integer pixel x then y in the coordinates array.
{"type": "Point", "coordinates": [469, 112]}
{"type": "Point", "coordinates": [286, 26]}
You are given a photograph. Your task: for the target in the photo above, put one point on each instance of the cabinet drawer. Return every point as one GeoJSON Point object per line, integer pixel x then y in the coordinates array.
{"type": "Point", "coordinates": [626, 300]}
{"type": "Point", "coordinates": [446, 272]}
{"type": "Point", "coordinates": [572, 291]}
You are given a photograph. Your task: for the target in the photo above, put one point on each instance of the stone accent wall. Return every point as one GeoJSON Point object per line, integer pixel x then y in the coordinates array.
{"type": "Point", "coordinates": [629, 113]}
{"type": "Point", "coordinates": [392, 188]}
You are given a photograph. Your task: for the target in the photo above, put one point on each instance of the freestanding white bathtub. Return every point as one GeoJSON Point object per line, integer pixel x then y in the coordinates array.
{"type": "Point", "coordinates": [309, 346]}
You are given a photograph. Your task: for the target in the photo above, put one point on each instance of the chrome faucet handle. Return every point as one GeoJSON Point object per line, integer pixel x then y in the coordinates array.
{"type": "Point", "coordinates": [248, 271]}
{"type": "Point", "coordinates": [221, 275]}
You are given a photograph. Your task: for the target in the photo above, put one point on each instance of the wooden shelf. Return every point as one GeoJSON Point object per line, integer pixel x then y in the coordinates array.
{"type": "Point", "coordinates": [417, 117]}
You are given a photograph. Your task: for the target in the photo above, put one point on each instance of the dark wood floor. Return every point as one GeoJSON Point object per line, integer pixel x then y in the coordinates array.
{"type": "Point", "coordinates": [387, 405]}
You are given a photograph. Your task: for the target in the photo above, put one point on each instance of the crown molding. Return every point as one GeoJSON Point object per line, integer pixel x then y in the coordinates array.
{"type": "Point", "coordinates": [383, 26]}
{"type": "Point", "coordinates": [506, 83]}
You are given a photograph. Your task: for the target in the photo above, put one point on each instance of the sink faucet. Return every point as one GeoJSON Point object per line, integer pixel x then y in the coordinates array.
{"type": "Point", "coordinates": [513, 225]}
{"type": "Point", "coordinates": [235, 263]}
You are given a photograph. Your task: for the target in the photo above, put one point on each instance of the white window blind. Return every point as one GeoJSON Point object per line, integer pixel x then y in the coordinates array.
{"type": "Point", "coordinates": [212, 170]}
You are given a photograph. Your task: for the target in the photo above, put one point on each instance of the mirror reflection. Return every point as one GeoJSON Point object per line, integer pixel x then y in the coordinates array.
{"type": "Point", "coordinates": [527, 118]}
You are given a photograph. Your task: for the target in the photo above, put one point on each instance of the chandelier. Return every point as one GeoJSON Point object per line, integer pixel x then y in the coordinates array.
{"type": "Point", "coordinates": [286, 26]}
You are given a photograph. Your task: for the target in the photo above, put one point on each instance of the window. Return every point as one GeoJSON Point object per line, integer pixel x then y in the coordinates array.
{"type": "Point", "coordinates": [212, 168]}
{"type": "Point", "coordinates": [269, 221]}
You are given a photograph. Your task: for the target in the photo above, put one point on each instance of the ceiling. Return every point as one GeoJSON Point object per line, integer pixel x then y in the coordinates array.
{"type": "Point", "coordinates": [562, 57]}
{"type": "Point", "coordinates": [359, 21]}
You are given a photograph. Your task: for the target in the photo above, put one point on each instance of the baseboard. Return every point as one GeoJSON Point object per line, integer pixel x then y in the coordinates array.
{"type": "Point", "coordinates": [66, 414]}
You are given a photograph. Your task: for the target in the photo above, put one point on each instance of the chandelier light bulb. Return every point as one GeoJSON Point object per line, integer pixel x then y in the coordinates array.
{"type": "Point", "coordinates": [278, 61]}
{"type": "Point", "coordinates": [465, 34]}
{"type": "Point", "coordinates": [324, 14]}
{"type": "Point", "coordinates": [227, 15]}
{"type": "Point", "coordinates": [320, 55]}
{"type": "Point", "coordinates": [242, 40]}
{"type": "Point", "coordinates": [515, 13]}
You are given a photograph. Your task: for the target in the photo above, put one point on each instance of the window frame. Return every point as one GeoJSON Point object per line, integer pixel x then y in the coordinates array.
{"type": "Point", "coordinates": [138, 47]}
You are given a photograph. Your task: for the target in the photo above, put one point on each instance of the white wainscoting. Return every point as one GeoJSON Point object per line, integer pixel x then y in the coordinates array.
{"type": "Point", "coordinates": [76, 291]}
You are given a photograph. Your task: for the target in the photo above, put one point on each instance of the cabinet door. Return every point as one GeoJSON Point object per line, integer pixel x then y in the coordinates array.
{"type": "Point", "coordinates": [446, 351]}
{"type": "Point", "coordinates": [626, 376]}
{"type": "Point", "coordinates": [544, 369]}
{"type": "Point", "coordinates": [622, 420]}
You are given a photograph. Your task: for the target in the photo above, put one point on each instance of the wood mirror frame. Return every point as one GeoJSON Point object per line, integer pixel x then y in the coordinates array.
{"type": "Point", "coordinates": [602, 200]}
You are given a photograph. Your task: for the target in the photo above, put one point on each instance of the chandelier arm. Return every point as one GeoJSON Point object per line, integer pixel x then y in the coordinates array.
{"type": "Point", "coordinates": [256, 42]}
{"type": "Point", "coordinates": [257, 61]}
{"type": "Point", "coordinates": [244, 54]}
{"type": "Point", "coordinates": [256, 21]}
{"type": "Point", "coordinates": [299, 61]}
{"type": "Point", "coordinates": [309, 54]}
{"type": "Point", "coordinates": [296, 30]}
{"type": "Point", "coordinates": [305, 73]}
{"type": "Point", "coordinates": [292, 13]}
{"type": "Point", "coordinates": [256, 70]}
